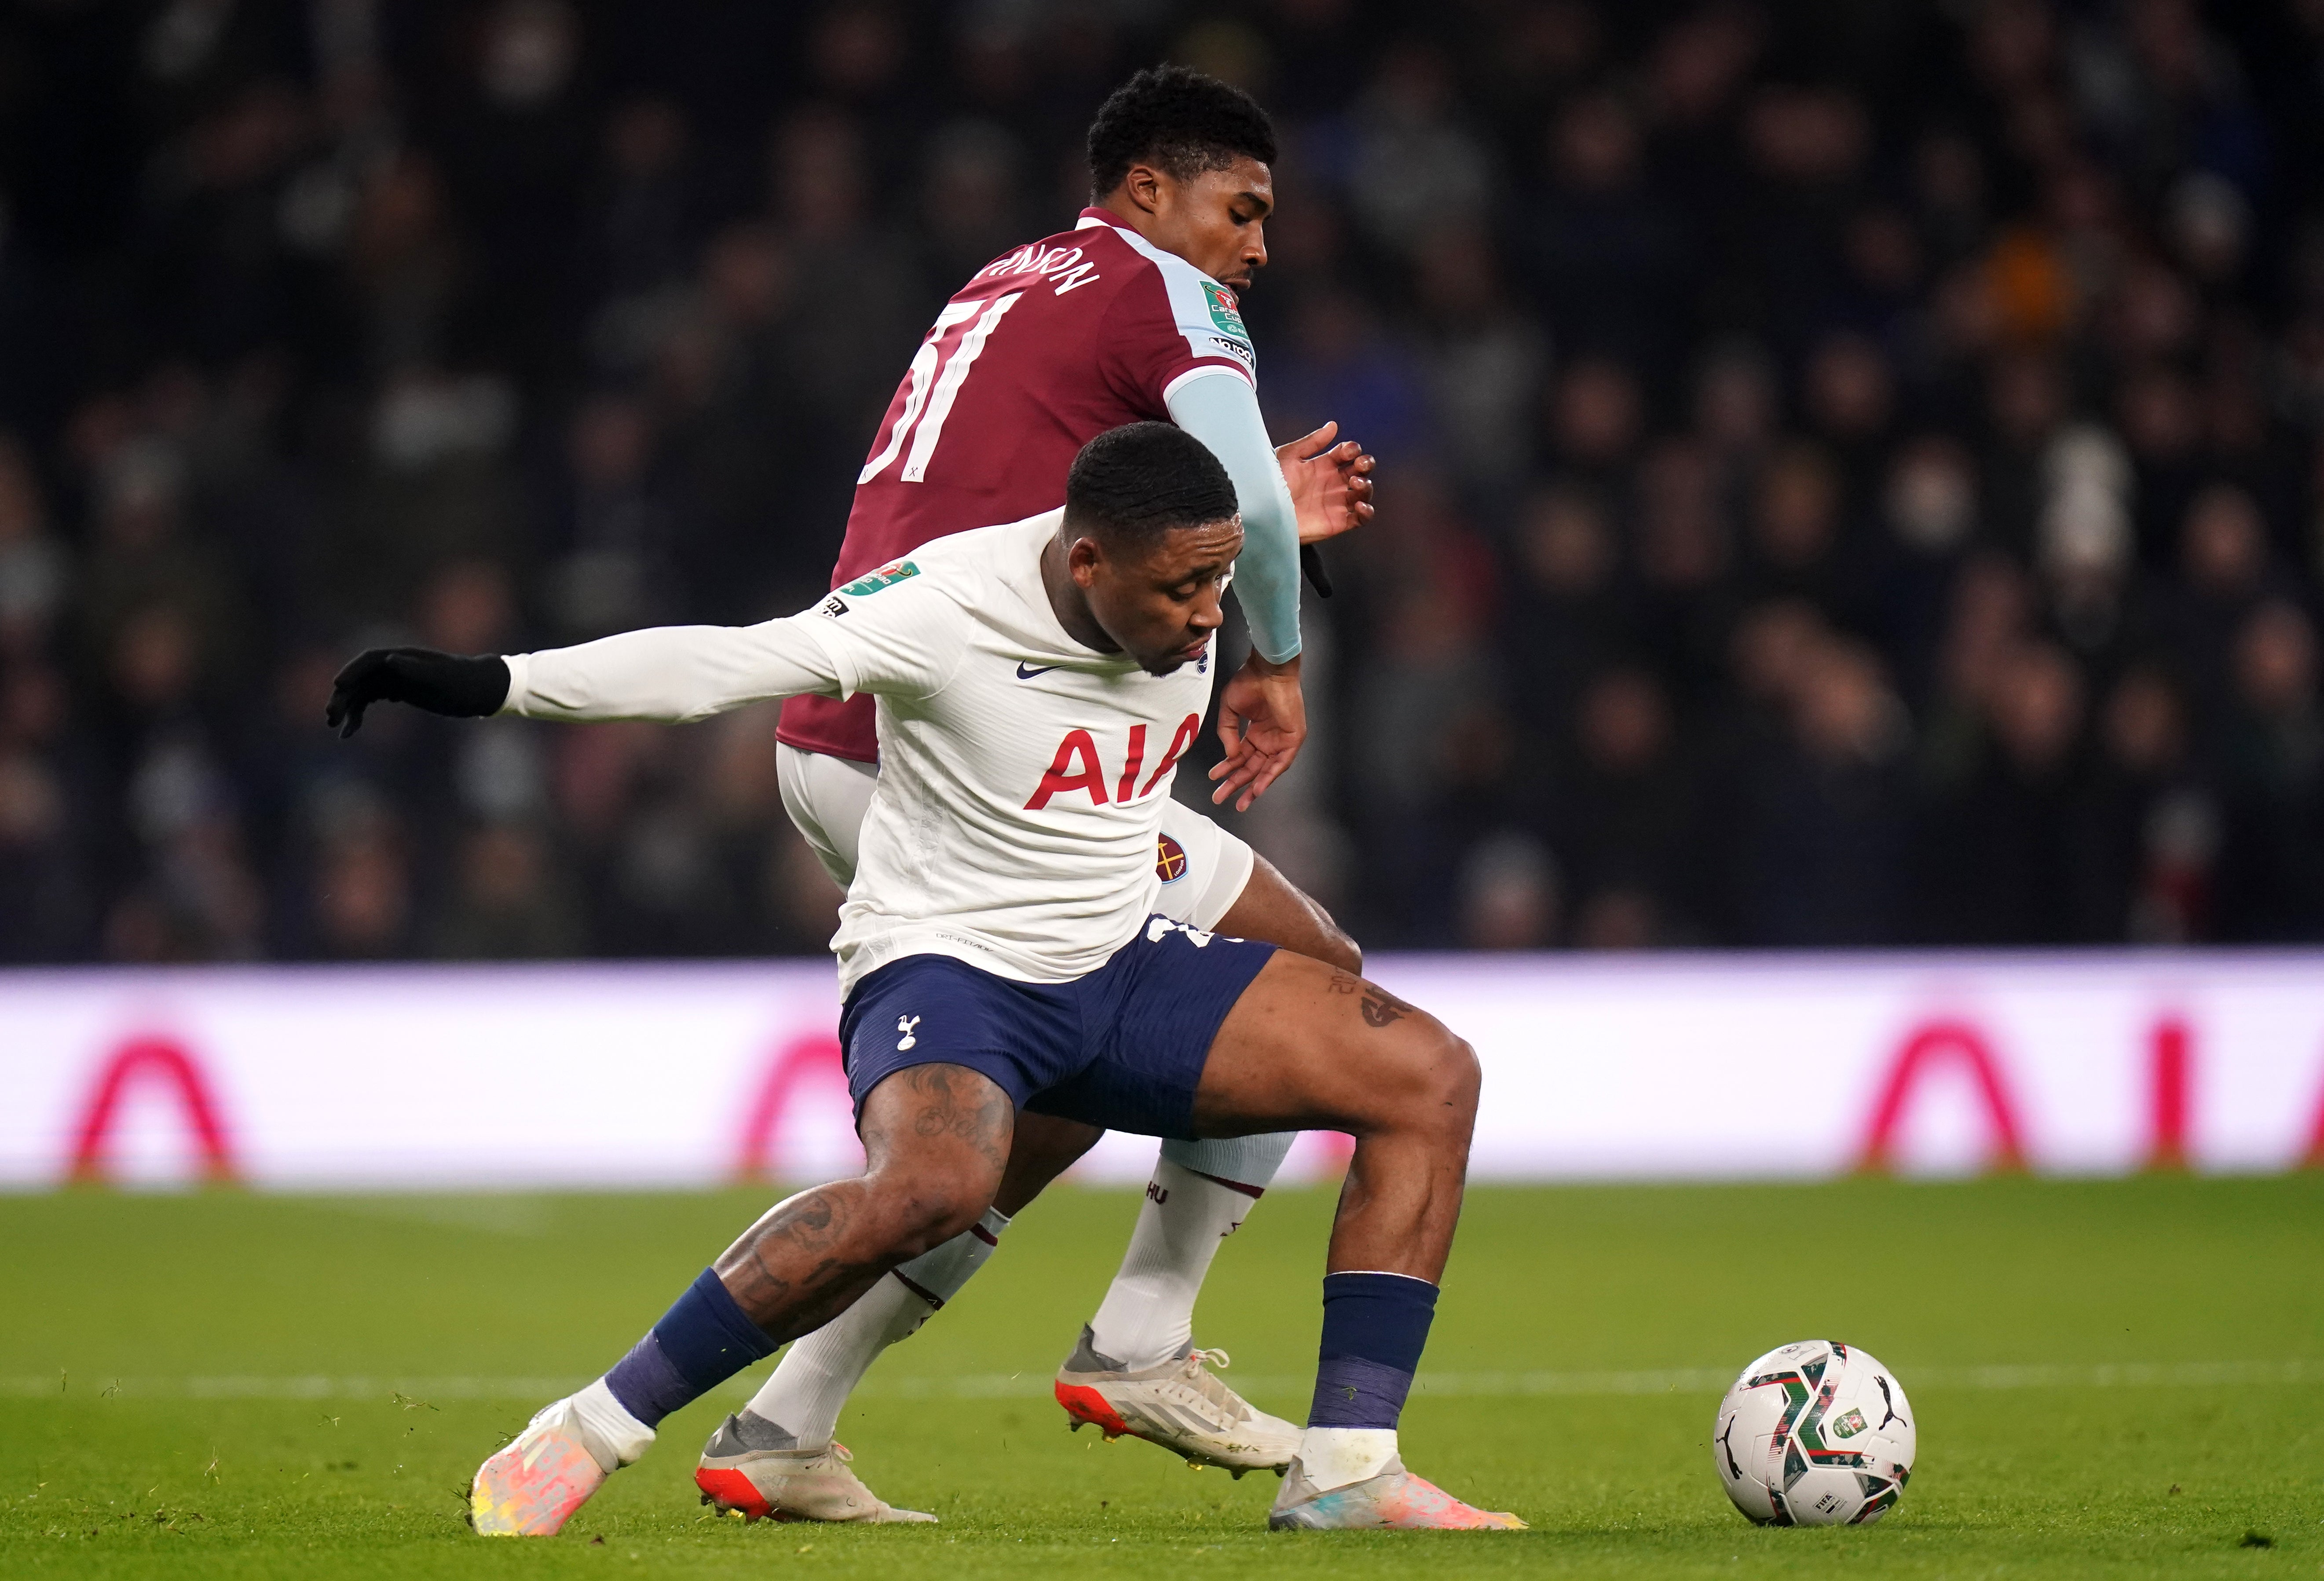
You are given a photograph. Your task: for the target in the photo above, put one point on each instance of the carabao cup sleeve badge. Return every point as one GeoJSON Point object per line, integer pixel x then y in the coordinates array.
{"type": "Point", "coordinates": [887, 576]}
{"type": "Point", "coordinates": [1223, 309]}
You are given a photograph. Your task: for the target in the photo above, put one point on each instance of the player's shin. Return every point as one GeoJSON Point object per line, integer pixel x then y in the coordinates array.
{"type": "Point", "coordinates": [1375, 1326]}
{"type": "Point", "coordinates": [1199, 1194]}
{"type": "Point", "coordinates": [798, 1405]}
{"type": "Point", "coordinates": [1348, 1475]}
{"type": "Point", "coordinates": [703, 1340]}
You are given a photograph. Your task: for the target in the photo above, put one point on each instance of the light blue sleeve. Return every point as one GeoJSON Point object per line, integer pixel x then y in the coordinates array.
{"type": "Point", "coordinates": [1222, 410]}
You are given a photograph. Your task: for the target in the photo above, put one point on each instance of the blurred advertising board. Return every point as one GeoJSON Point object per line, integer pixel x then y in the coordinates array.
{"type": "Point", "coordinates": [1673, 1066]}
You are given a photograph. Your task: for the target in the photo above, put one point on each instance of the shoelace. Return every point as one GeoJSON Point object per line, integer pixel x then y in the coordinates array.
{"type": "Point", "coordinates": [1214, 1389]}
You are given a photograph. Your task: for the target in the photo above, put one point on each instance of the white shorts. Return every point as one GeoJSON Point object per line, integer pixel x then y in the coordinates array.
{"type": "Point", "coordinates": [1203, 868]}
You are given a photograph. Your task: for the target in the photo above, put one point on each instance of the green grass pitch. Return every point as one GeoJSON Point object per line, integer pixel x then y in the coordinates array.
{"type": "Point", "coordinates": [207, 1384]}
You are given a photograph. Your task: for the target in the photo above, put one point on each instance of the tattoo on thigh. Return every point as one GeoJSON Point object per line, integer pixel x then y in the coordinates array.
{"type": "Point", "coordinates": [1379, 1007]}
{"type": "Point", "coordinates": [983, 1120]}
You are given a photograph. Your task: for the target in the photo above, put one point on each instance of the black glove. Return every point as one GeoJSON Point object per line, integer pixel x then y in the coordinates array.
{"type": "Point", "coordinates": [1311, 560]}
{"type": "Point", "coordinates": [441, 683]}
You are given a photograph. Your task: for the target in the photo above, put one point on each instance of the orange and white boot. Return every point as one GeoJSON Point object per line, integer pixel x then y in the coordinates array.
{"type": "Point", "coordinates": [1390, 1499]}
{"type": "Point", "coordinates": [532, 1487]}
{"type": "Point", "coordinates": [754, 1467]}
{"type": "Point", "coordinates": [1181, 1405]}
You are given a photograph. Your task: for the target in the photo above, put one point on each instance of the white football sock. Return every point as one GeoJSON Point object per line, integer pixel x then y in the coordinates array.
{"type": "Point", "coordinates": [607, 1421]}
{"type": "Point", "coordinates": [821, 1370]}
{"type": "Point", "coordinates": [1248, 1161]}
{"type": "Point", "coordinates": [1147, 1316]}
{"type": "Point", "coordinates": [1332, 1457]}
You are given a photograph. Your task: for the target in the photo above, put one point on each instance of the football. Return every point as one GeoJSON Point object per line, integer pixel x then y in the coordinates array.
{"type": "Point", "coordinates": [1814, 1434]}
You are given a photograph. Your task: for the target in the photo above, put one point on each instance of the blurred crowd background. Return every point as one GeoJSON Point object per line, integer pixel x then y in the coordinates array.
{"type": "Point", "coordinates": [1851, 468]}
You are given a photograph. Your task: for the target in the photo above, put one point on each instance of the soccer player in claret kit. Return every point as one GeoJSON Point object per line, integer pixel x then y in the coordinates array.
{"type": "Point", "coordinates": [999, 955]}
{"type": "Point", "coordinates": [1130, 315]}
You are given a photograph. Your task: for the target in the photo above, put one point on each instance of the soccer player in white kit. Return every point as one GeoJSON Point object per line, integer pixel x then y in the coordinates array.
{"type": "Point", "coordinates": [999, 955]}
{"type": "Point", "coordinates": [1130, 315]}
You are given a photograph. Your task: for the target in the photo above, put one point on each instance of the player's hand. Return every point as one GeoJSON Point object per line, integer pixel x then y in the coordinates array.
{"type": "Point", "coordinates": [1262, 724]}
{"type": "Point", "coordinates": [441, 683]}
{"type": "Point", "coordinates": [1331, 485]}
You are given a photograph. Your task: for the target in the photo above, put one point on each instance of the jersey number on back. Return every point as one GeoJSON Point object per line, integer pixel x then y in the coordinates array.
{"type": "Point", "coordinates": [929, 396]}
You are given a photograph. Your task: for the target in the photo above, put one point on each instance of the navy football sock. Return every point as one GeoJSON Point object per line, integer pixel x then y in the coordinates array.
{"type": "Point", "coordinates": [1375, 1325]}
{"type": "Point", "coordinates": [703, 1340]}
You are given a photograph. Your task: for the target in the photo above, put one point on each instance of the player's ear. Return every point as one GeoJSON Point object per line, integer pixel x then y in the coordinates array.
{"type": "Point", "coordinates": [1145, 184]}
{"type": "Point", "coordinates": [1081, 560]}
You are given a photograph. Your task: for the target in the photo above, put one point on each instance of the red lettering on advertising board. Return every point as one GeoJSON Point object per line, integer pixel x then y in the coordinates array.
{"type": "Point", "coordinates": [812, 1060]}
{"type": "Point", "coordinates": [147, 1061]}
{"type": "Point", "coordinates": [2170, 1067]}
{"type": "Point", "coordinates": [1931, 1045]}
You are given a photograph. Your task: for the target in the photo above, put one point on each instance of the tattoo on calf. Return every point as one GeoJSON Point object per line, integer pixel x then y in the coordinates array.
{"type": "Point", "coordinates": [805, 1261]}
{"type": "Point", "coordinates": [1381, 1008]}
{"type": "Point", "coordinates": [812, 1222]}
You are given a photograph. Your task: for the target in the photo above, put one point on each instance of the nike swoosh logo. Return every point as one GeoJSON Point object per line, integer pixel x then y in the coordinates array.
{"type": "Point", "coordinates": [1025, 674]}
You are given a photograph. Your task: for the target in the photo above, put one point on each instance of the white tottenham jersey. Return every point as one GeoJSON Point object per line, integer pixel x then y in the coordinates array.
{"type": "Point", "coordinates": [1021, 775]}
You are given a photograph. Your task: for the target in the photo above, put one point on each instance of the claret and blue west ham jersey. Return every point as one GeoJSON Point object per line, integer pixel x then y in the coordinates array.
{"type": "Point", "coordinates": [1048, 348]}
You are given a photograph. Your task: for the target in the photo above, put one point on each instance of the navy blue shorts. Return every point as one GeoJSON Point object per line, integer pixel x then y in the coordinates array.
{"type": "Point", "coordinates": [1121, 1048]}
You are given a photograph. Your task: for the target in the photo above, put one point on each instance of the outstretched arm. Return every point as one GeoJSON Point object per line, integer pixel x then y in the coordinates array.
{"type": "Point", "coordinates": [675, 674]}
{"type": "Point", "coordinates": [1295, 494]}
{"type": "Point", "coordinates": [1221, 410]}
{"type": "Point", "coordinates": [669, 673]}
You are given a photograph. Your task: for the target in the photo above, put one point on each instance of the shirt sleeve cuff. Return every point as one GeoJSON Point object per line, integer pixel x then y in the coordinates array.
{"type": "Point", "coordinates": [519, 668]}
{"type": "Point", "coordinates": [1204, 370]}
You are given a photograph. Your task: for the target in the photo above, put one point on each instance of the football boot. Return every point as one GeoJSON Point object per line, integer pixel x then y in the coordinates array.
{"type": "Point", "coordinates": [533, 1486]}
{"type": "Point", "coordinates": [1392, 1500]}
{"type": "Point", "coordinates": [1181, 1405]}
{"type": "Point", "coordinates": [754, 1467]}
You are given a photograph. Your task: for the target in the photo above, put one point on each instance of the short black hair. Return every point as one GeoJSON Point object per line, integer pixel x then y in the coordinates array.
{"type": "Point", "coordinates": [1176, 118]}
{"type": "Point", "coordinates": [1133, 483]}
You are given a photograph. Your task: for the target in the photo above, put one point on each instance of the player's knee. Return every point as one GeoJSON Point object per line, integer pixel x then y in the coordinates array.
{"type": "Point", "coordinates": [925, 1218]}
{"type": "Point", "coordinates": [1449, 1080]}
{"type": "Point", "coordinates": [1464, 1078]}
{"type": "Point", "coordinates": [1427, 1088]}
{"type": "Point", "coordinates": [924, 1208]}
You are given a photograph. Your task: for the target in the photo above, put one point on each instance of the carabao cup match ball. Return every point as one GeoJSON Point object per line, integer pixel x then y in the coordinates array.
{"type": "Point", "coordinates": [1814, 1434]}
